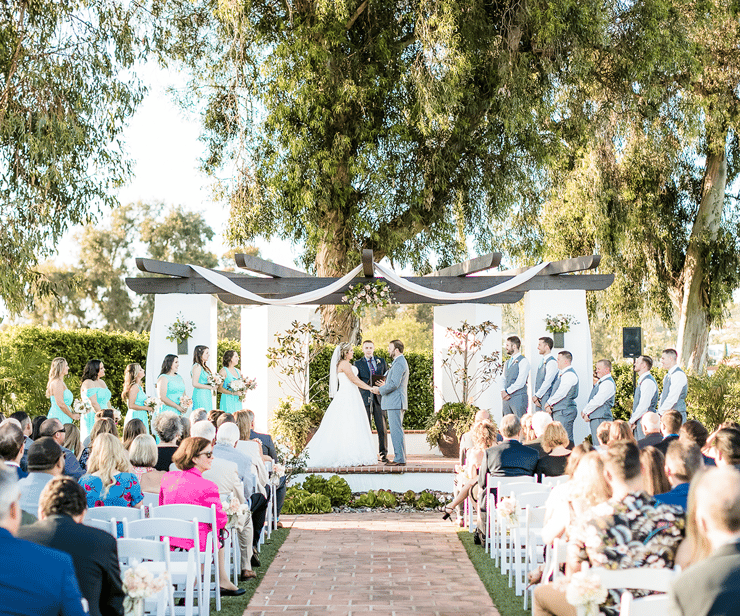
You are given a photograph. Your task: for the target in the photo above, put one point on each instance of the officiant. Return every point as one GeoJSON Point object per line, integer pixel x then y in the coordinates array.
{"type": "Point", "coordinates": [369, 369]}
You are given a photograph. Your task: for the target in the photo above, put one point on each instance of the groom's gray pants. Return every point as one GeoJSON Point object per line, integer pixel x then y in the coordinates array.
{"type": "Point", "coordinates": [395, 421]}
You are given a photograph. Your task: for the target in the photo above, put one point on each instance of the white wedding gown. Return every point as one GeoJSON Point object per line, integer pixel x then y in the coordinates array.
{"type": "Point", "coordinates": [344, 437]}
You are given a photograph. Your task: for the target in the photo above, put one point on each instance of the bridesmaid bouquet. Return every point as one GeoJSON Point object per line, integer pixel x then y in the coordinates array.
{"type": "Point", "coordinates": [83, 406]}
{"type": "Point", "coordinates": [152, 403]}
{"type": "Point", "coordinates": [214, 380]}
{"type": "Point", "coordinates": [138, 584]}
{"type": "Point", "coordinates": [185, 401]}
{"type": "Point", "coordinates": [241, 386]}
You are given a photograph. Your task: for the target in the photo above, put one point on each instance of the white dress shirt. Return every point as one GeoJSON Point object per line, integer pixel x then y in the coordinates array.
{"type": "Point", "coordinates": [607, 389]}
{"type": "Point", "coordinates": [521, 379]}
{"type": "Point", "coordinates": [678, 381]}
{"type": "Point", "coordinates": [568, 379]}
{"type": "Point", "coordinates": [647, 388]}
{"type": "Point", "coordinates": [551, 372]}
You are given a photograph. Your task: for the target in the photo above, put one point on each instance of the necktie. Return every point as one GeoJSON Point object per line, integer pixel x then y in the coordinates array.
{"type": "Point", "coordinates": [371, 365]}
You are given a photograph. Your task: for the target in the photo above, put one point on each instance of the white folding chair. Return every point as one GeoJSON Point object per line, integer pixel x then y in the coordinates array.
{"type": "Point", "coordinates": [210, 556]}
{"type": "Point", "coordinates": [533, 545]}
{"type": "Point", "coordinates": [654, 605]}
{"type": "Point", "coordinates": [637, 578]}
{"type": "Point", "coordinates": [109, 526]}
{"type": "Point", "coordinates": [107, 513]}
{"type": "Point", "coordinates": [150, 499]}
{"type": "Point", "coordinates": [555, 556]}
{"type": "Point", "coordinates": [490, 502]}
{"type": "Point", "coordinates": [515, 490]}
{"type": "Point", "coordinates": [186, 571]}
{"type": "Point", "coordinates": [513, 557]}
{"type": "Point", "coordinates": [155, 556]}
{"type": "Point", "coordinates": [554, 481]}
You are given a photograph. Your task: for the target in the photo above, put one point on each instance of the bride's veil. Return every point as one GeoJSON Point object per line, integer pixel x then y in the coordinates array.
{"type": "Point", "coordinates": [333, 379]}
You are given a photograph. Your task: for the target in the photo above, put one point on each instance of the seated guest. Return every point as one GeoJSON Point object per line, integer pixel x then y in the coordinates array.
{"type": "Point", "coordinates": [712, 587]}
{"type": "Point", "coordinates": [104, 425]}
{"type": "Point", "coordinates": [36, 426]}
{"type": "Point", "coordinates": [27, 428]}
{"type": "Point", "coordinates": [681, 464]}
{"type": "Point", "coordinates": [651, 427]}
{"type": "Point", "coordinates": [540, 421]}
{"type": "Point", "coordinates": [34, 580]}
{"type": "Point", "coordinates": [143, 457]}
{"type": "Point", "coordinates": [94, 552]}
{"type": "Point", "coordinates": [527, 430]}
{"type": "Point", "coordinates": [188, 486]}
{"type": "Point", "coordinates": [131, 430]}
{"type": "Point", "coordinates": [653, 471]}
{"type": "Point", "coordinates": [670, 424]}
{"type": "Point", "coordinates": [693, 431]}
{"type": "Point", "coordinates": [55, 429]}
{"type": "Point", "coordinates": [12, 445]}
{"type": "Point", "coordinates": [250, 448]}
{"type": "Point", "coordinates": [196, 416]}
{"type": "Point", "coordinates": [726, 444]}
{"type": "Point", "coordinates": [72, 439]}
{"type": "Point", "coordinates": [555, 443]}
{"type": "Point", "coordinates": [101, 414]}
{"type": "Point", "coordinates": [630, 530]}
{"type": "Point", "coordinates": [45, 461]}
{"type": "Point", "coordinates": [168, 428]}
{"type": "Point", "coordinates": [109, 481]}
{"type": "Point", "coordinates": [602, 436]}
{"type": "Point", "coordinates": [620, 430]}
{"type": "Point", "coordinates": [213, 417]}
{"type": "Point", "coordinates": [484, 436]}
{"type": "Point", "coordinates": [184, 429]}
{"type": "Point", "coordinates": [269, 453]}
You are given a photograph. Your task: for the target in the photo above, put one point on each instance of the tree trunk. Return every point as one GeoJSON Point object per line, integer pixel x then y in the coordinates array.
{"type": "Point", "coordinates": [694, 319]}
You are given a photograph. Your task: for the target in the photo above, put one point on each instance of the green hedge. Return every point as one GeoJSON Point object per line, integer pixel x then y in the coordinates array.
{"type": "Point", "coordinates": [420, 390]}
{"type": "Point", "coordinates": [622, 374]}
{"type": "Point", "coordinates": [33, 348]}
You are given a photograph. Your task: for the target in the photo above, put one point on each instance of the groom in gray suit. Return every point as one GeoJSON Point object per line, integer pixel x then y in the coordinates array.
{"type": "Point", "coordinates": [395, 399]}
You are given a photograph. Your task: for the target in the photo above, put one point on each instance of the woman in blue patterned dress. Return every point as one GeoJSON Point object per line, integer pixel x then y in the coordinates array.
{"type": "Point", "coordinates": [93, 387]}
{"type": "Point", "coordinates": [229, 402]}
{"type": "Point", "coordinates": [57, 392]}
{"type": "Point", "coordinates": [133, 395]}
{"type": "Point", "coordinates": [202, 391]}
{"type": "Point", "coordinates": [109, 480]}
{"type": "Point", "coordinates": [170, 386]}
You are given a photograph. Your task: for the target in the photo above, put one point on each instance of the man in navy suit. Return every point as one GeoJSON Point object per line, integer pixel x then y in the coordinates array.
{"type": "Point", "coordinates": [12, 446]}
{"type": "Point", "coordinates": [33, 579]}
{"type": "Point", "coordinates": [368, 366]}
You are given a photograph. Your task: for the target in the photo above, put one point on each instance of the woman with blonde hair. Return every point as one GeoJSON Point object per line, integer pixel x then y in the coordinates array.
{"type": "Point", "coordinates": [483, 434]}
{"type": "Point", "coordinates": [621, 431]}
{"type": "Point", "coordinates": [143, 455]}
{"type": "Point", "coordinates": [103, 425]}
{"type": "Point", "coordinates": [134, 397]}
{"type": "Point", "coordinates": [555, 443]}
{"type": "Point", "coordinates": [109, 480]}
{"type": "Point", "coordinates": [72, 439]}
{"type": "Point", "coordinates": [61, 398]}
{"type": "Point", "coordinates": [653, 471]}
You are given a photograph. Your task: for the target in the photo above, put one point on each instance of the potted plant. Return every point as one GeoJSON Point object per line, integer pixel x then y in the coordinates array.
{"type": "Point", "coordinates": [446, 426]}
{"type": "Point", "coordinates": [558, 326]}
{"type": "Point", "coordinates": [180, 331]}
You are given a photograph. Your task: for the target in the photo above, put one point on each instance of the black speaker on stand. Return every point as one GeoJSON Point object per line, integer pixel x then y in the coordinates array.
{"type": "Point", "coordinates": [632, 347]}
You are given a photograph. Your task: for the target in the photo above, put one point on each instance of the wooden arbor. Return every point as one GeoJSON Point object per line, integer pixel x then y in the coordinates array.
{"type": "Point", "coordinates": [280, 282]}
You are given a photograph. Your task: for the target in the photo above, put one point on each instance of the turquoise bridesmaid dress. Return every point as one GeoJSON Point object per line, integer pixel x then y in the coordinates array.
{"type": "Point", "coordinates": [202, 398]}
{"type": "Point", "coordinates": [56, 413]}
{"type": "Point", "coordinates": [175, 391]}
{"type": "Point", "coordinates": [87, 421]}
{"type": "Point", "coordinates": [229, 403]}
{"type": "Point", "coordinates": [137, 414]}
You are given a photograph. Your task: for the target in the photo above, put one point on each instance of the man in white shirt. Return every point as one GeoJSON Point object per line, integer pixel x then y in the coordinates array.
{"type": "Point", "coordinates": [675, 385]}
{"type": "Point", "coordinates": [546, 373]}
{"type": "Point", "coordinates": [562, 403]}
{"type": "Point", "coordinates": [516, 373]}
{"type": "Point", "coordinates": [600, 402]}
{"type": "Point", "coordinates": [646, 395]}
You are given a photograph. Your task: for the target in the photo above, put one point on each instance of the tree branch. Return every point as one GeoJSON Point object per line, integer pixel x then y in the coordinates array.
{"type": "Point", "coordinates": [354, 17]}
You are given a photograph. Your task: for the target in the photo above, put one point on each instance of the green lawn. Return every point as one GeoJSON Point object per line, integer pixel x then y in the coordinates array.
{"type": "Point", "coordinates": [497, 585]}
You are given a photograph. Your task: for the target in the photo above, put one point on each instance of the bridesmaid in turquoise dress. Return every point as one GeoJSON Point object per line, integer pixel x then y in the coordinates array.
{"type": "Point", "coordinates": [202, 391]}
{"type": "Point", "coordinates": [61, 398]}
{"type": "Point", "coordinates": [229, 402]}
{"type": "Point", "coordinates": [133, 395]}
{"type": "Point", "coordinates": [170, 386]}
{"type": "Point", "coordinates": [93, 387]}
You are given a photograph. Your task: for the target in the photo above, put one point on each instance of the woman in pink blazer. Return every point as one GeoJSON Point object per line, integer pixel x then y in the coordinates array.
{"type": "Point", "coordinates": [188, 486]}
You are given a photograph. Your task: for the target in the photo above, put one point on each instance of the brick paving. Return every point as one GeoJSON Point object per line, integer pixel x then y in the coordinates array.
{"type": "Point", "coordinates": [371, 563]}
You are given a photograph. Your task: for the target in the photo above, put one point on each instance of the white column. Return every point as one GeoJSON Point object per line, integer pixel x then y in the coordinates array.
{"type": "Point", "coordinates": [452, 316]}
{"type": "Point", "coordinates": [259, 326]}
{"type": "Point", "coordinates": [203, 310]}
{"type": "Point", "coordinates": [540, 304]}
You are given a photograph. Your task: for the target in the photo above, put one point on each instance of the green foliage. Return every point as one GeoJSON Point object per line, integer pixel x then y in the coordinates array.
{"type": "Point", "coordinates": [401, 325]}
{"type": "Point", "coordinates": [295, 423]}
{"type": "Point", "coordinates": [714, 399]}
{"type": "Point", "coordinates": [369, 499]}
{"type": "Point", "coordinates": [38, 345]}
{"type": "Point", "coordinates": [23, 376]}
{"type": "Point", "coordinates": [427, 500]}
{"type": "Point", "coordinates": [622, 375]}
{"type": "Point", "coordinates": [386, 499]}
{"type": "Point", "coordinates": [336, 488]}
{"type": "Point", "coordinates": [298, 501]}
{"type": "Point", "coordinates": [315, 484]}
{"type": "Point", "coordinates": [451, 415]}
{"type": "Point", "coordinates": [409, 497]}
{"type": "Point", "coordinates": [420, 389]}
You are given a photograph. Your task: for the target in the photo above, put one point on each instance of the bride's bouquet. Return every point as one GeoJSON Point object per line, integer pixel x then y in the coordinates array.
{"type": "Point", "coordinates": [241, 386]}
{"type": "Point", "coordinates": [214, 379]}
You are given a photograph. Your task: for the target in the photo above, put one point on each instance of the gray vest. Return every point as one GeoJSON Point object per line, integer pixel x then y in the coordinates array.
{"type": "Point", "coordinates": [541, 378]}
{"type": "Point", "coordinates": [653, 406]}
{"type": "Point", "coordinates": [511, 374]}
{"type": "Point", "coordinates": [681, 402]}
{"type": "Point", "coordinates": [605, 410]}
{"type": "Point", "coordinates": [569, 402]}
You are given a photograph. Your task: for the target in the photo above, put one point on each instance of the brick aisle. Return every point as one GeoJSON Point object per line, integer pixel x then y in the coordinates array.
{"type": "Point", "coordinates": [371, 563]}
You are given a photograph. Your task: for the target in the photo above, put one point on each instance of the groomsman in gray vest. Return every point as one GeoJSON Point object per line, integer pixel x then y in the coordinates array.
{"type": "Point", "coordinates": [516, 373]}
{"type": "Point", "coordinates": [646, 395]}
{"type": "Point", "coordinates": [675, 385]}
{"type": "Point", "coordinates": [395, 399]}
{"type": "Point", "coordinates": [562, 402]}
{"type": "Point", "coordinates": [600, 402]}
{"type": "Point", "coordinates": [547, 372]}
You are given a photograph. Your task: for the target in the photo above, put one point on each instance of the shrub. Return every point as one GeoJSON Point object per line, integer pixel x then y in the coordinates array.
{"type": "Point", "coordinates": [299, 501]}
{"type": "Point", "coordinates": [315, 484]}
{"type": "Point", "coordinates": [369, 499]}
{"type": "Point", "coordinates": [427, 500]}
{"type": "Point", "coordinates": [409, 498]}
{"type": "Point", "coordinates": [338, 491]}
{"type": "Point", "coordinates": [387, 499]}
{"type": "Point", "coordinates": [294, 424]}
{"type": "Point", "coordinates": [714, 399]}
{"type": "Point", "coordinates": [451, 415]}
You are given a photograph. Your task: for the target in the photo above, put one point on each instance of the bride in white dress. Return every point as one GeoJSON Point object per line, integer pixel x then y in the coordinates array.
{"type": "Point", "coordinates": [344, 437]}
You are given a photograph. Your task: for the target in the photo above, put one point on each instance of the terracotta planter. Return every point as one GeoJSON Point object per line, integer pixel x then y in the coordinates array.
{"type": "Point", "coordinates": [449, 444]}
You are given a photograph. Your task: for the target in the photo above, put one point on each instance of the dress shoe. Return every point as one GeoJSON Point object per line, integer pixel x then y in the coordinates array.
{"type": "Point", "coordinates": [394, 463]}
{"type": "Point", "coordinates": [477, 539]}
{"type": "Point", "coordinates": [255, 562]}
{"type": "Point", "coordinates": [280, 524]}
{"type": "Point", "coordinates": [225, 592]}
{"type": "Point", "coordinates": [245, 576]}
{"type": "Point", "coordinates": [384, 459]}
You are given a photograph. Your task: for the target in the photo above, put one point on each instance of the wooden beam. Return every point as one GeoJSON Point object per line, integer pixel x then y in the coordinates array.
{"type": "Point", "coordinates": [153, 266]}
{"type": "Point", "coordinates": [367, 263]}
{"type": "Point", "coordinates": [268, 268]}
{"type": "Point", "coordinates": [471, 266]}
{"type": "Point", "coordinates": [566, 266]}
{"type": "Point", "coordinates": [400, 296]}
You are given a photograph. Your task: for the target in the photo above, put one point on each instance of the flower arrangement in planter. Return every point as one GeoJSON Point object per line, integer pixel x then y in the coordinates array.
{"type": "Point", "coordinates": [446, 426]}
{"type": "Point", "coordinates": [181, 331]}
{"type": "Point", "coordinates": [362, 296]}
{"type": "Point", "coordinates": [558, 326]}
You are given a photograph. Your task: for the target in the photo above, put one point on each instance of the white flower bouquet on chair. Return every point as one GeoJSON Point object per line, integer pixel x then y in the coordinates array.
{"type": "Point", "coordinates": [139, 583]}
{"type": "Point", "coordinates": [509, 510]}
{"type": "Point", "coordinates": [586, 593]}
